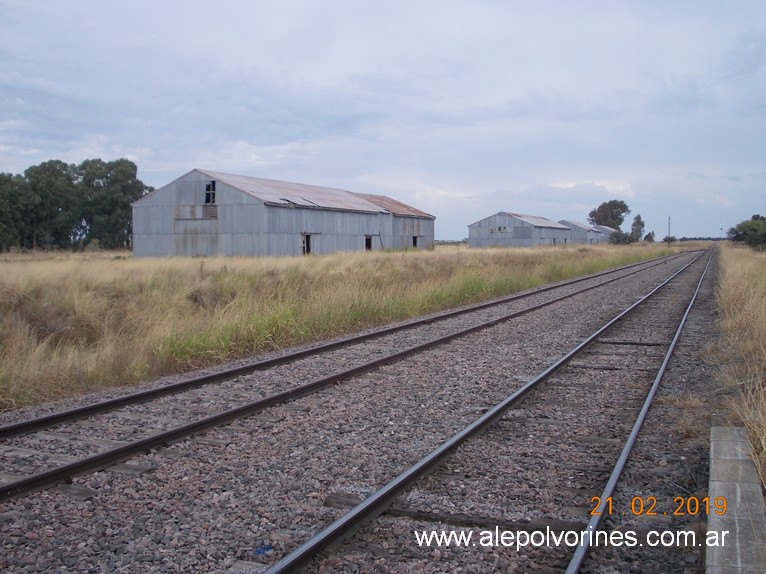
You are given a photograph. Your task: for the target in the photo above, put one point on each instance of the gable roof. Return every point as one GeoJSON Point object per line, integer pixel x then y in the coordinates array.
{"type": "Point", "coordinates": [284, 193]}
{"type": "Point", "coordinates": [536, 221]}
{"type": "Point", "coordinates": [606, 229]}
{"type": "Point", "coordinates": [393, 206]}
{"type": "Point", "coordinates": [579, 225]}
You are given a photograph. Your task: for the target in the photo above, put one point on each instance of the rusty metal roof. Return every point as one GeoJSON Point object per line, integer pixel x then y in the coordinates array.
{"type": "Point", "coordinates": [284, 193]}
{"type": "Point", "coordinates": [393, 206]}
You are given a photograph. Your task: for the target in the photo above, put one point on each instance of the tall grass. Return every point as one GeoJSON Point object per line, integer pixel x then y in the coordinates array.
{"type": "Point", "coordinates": [742, 308]}
{"type": "Point", "coordinates": [71, 323]}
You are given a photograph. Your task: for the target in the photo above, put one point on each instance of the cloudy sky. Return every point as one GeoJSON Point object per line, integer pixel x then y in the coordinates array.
{"type": "Point", "coordinates": [460, 108]}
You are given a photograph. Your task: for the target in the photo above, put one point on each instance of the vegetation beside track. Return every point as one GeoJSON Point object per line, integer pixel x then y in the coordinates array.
{"type": "Point", "coordinates": [74, 323]}
{"type": "Point", "coordinates": [742, 307]}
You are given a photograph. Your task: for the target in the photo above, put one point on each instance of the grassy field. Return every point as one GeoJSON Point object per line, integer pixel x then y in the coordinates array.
{"type": "Point", "coordinates": [742, 308]}
{"type": "Point", "coordinates": [73, 323]}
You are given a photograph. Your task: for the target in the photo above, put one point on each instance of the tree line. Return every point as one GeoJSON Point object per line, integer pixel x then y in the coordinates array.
{"type": "Point", "coordinates": [56, 205]}
{"type": "Point", "coordinates": [612, 213]}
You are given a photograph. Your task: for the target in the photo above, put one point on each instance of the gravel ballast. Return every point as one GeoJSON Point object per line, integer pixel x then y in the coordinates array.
{"type": "Point", "coordinates": [244, 494]}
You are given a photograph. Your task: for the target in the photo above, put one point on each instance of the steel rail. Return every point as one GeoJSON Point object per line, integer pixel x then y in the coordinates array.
{"type": "Point", "coordinates": [595, 521]}
{"type": "Point", "coordinates": [106, 458]}
{"type": "Point", "coordinates": [376, 503]}
{"type": "Point", "coordinates": [39, 423]}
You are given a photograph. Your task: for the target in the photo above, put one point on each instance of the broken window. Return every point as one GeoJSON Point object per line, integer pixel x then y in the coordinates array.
{"type": "Point", "coordinates": [210, 192]}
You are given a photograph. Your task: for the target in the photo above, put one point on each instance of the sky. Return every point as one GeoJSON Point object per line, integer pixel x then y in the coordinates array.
{"type": "Point", "coordinates": [461, 108]}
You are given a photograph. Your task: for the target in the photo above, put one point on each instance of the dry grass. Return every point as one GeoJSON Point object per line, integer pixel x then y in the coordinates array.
{"type": "Point", "coordinates": [73, 323]}
{"type": "Point", "coordinates": [742, 307]}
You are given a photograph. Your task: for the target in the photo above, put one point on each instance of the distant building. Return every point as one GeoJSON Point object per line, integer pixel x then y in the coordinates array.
{"type": "Point", "coordinates": [516, 230]}
{"type": "Point", "coordinates": [583, 233]}
{"type": "Point", "coordinates": [606, 230]}
{"type": "Point", "coordinates": [207, 213]}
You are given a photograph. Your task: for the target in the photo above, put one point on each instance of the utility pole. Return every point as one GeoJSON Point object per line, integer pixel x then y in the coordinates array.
{"type": "Point", "coordinates": [668, 230]}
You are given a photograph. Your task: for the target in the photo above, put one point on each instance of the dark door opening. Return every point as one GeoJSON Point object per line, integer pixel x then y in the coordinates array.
{"type": "Point", "coordinates": [415, 241]}
{"type": "Point", "coordinates": [306, 244]}
{"type": "Point", "coordinates": [368, 242]}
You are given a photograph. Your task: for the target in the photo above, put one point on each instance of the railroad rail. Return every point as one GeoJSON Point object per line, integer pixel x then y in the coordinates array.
{"type": "Point", "coordinates": [320, 546]}
{"type": "Point", "coordinates": [103, 459]}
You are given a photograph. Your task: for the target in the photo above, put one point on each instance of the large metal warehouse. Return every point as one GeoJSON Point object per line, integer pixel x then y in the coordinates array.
{"type": "Point", "coordinates": [515, 230]}
{"type": "Point", "coordinates": [207, 213]}
{"type": "Point", "coordinates": [583, 233]}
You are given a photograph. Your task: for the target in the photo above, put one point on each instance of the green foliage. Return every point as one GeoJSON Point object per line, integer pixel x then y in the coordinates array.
{"type": "Point", "coordinates": [751, 232]}
{"type": "Point", "coordinates": [110, 189]}
{"type": "Point", "coordinates": [637, 229]}
{"type": "Point", "coordinates": [58, 205]}
{"type": "Point", "coordinates": [620, 238]}
{"type": "Point", "coordinates": [649, 237]}
{"type": "Point", "coordinates": [610, 213]}
{"type": "Point", "coordinates": [13, 197]}
{"type": "Point", "coordinates": [55, 206]}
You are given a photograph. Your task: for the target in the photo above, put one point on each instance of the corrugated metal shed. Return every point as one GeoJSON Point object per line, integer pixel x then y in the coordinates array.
{"type": "Point", "coordinates": [506, 229]}
{"type": "Point", "coordinates": [582, 232]}
{"type": "Point", "coordinates": [393, 206]}
{"type": "Point", "coordinates": [206, 213]}
{"type": "Point", "coordinates": [537, 221]}
{"type": "Point", "coordinates": [285, 193]}
{"type": "Point", "coordinates": [577, 224]}
{"type": "Point", "coordinates": [605, 229]}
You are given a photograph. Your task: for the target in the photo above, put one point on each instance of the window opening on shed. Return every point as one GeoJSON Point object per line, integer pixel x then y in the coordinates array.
{"type": "Point", "coordinates": [306, 244]}
{"type": "Point", "coordinates": [368, 242]}
{"type": "Point", "coordinates": [210, 192]}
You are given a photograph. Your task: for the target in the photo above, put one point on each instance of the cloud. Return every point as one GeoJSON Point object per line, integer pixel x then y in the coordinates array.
{"type": "Point", "coordinates": [462, 110]}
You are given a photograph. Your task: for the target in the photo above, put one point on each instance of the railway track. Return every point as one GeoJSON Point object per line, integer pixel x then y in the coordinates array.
{"type": "Point", "coordinates": [51, 449]}
{"type": "Point", "coordinates": [540, 465]}
{"type": "Point", "coordinates": [241, 495]}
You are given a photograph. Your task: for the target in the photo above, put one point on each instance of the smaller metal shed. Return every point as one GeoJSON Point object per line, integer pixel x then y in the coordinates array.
{"type": "Point", "coordinates": [606, 231]}
{"type": "Point", "coordinates": [505, 229]}
{"type": "Point", "coordinates": [583, 233]}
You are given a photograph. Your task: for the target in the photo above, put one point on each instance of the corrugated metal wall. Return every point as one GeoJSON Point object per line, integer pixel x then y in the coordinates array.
{"type": "Point", "coordinates": [173, 221]}
{"type": "Point", "coordinates": [504, 230]}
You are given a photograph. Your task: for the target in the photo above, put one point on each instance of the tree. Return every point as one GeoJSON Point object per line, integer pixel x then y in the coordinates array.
{"type": "Point", "coordinates": [751, 232]}
{"type": "Point", "coordinates": [620, 238]}
{"type": "Point", "coordinates": [637, 229]}
{"type": "Point", "coordinates": [610, 213]}
{"type": "Point", "coordinates": [109, 188]}
{"type": "Point", "coordinates": [59, 205]}
{"type": "Point", "coordinates": [56, 204]}
{"type": "Point", "coordinates": [9, 211]}
{"type": "Point", "coordinates": [649, 237]}
{"type": "Point", "coordinates": [17, 212]}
